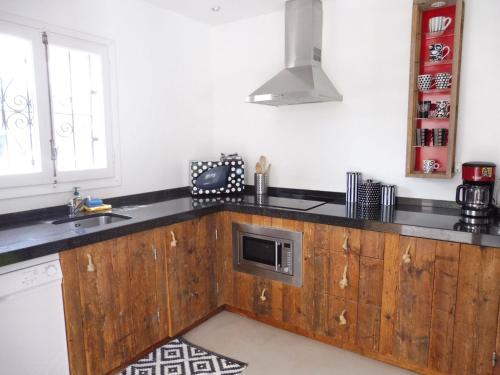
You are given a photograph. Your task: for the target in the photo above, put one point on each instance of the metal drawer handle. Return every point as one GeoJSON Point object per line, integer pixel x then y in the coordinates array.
{"type": "Point", "coordinates": [344, 283]}
{"type": "Point", "coordinates": [263, 297]}
{"type": "Point", "coordinates": [173, 243]}
{"type": "Point", "coordinates": [342, 319]}
{"type": "Point", "coordinates": [90, 265]}
{"type": "Point", "coordinates": [345, 245]}
{"type": "Point", "coordinates": [407, 255]}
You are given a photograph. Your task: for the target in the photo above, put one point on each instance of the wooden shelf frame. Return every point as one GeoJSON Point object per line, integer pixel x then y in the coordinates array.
{"type": "Point", "coordinates": [417, 39]}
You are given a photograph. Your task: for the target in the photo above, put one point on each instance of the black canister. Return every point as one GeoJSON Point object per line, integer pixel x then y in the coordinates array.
{"type": "Point", "coordinates": [369, 193]}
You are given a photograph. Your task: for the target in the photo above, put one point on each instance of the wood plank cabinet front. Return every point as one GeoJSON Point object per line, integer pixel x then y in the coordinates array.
{"type": "Point", "coordinates": [191, 267]}
{"type": "Point", "coordinates": [115, 301]}
{"type": "Point", "coordinates": [429, 306]}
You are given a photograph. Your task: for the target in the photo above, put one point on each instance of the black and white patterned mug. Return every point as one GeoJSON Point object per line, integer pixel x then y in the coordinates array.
{"type": "Point", "coordinates": [440, 23]}
{"type": "Point", "coordinates": [439, 137]}
{"type": "Point", "coordinates": [438, 51]}
{"type": "Point", "coordinates": [423, 108]}
{"type": "Point", "coordinates": [442, 80]}
{"type": "Point", "coordinates": [424, 82]}
{"type": "Point", "coordinates": [442, 109]}
{"type": "Point", "coordinates": [430, 166]}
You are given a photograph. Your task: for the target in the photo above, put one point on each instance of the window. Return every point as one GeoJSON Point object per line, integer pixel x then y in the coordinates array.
{"type": "Point", "coordinates": [55, 118]}
{"type": "Point", "coordinates": [19, 134]}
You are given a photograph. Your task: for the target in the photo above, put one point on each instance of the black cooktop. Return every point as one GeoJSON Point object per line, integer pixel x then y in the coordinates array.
{"type": "Point", "coordinates": [278, 202]}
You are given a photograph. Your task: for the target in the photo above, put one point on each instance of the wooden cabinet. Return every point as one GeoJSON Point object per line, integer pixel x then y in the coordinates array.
{"type": "Point", "coordinates": [429, 306]}
{"type": "Point", "coordinates": [412, 291]}
{"type": "Point", "coordinates": [440, 305]}
{"type": "Point", "coordinates": [476, 318]}
{"type": "Point", "coordinates": [348, 274]}
{"type": "Point", "coordinates": [125, 295]}
{"type": "Point", "coordinates": [420, 283]}
{"type": "Point", "coordinates": [191, 267]}
{"type": "Point", "coordinates": [290, 306]}
{"type": "Point", "coordinates": [115, 301]}
{"type": "Point", "coordinates": [496, 355]}
{"type": "Point", "coordinates": [259, 296]}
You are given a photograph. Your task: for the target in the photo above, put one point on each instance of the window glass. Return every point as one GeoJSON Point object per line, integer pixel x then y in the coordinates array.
{"type": "Point", "coordinates": [76, 83]}
{"type": "Point", "coordinates": [19, 130]}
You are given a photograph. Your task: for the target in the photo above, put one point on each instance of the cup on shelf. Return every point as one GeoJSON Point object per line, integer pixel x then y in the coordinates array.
{"type": "Point", "coordinates": [430, 166]}
{"type": "Point", "coordinates": [423, 108]}
{"type": "Point", "coordinates": [442, 109]}
{"type": "Point", "coordinates": [438, 51]}
{"type": "Point", "coordinates": [424, 82]}
{"type": "Point", "coordinates": [422, 135]}
{"type": "Point", "coordinates": [442, 80]}
{"type": "Point", "coordinates": [440, 23]}
{"type": "Point", "coordinates": [439, 137]}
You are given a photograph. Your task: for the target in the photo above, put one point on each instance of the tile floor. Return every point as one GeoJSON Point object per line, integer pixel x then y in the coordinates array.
{"type": "Point", "coordinates": [269, 350]}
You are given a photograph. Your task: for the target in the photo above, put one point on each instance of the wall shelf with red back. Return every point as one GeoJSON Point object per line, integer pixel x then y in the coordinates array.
{"type": "Point", "coordinates": [449, 41]}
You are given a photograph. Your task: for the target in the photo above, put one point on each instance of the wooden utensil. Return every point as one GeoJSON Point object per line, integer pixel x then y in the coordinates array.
{"type": "Point", "coordinates": [263, 163]}
{"type": "Point", "coordinates": [258, 168]}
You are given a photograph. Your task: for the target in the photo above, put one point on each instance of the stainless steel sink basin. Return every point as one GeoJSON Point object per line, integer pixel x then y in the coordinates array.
{"type": "Point", "coordinates": [90, 221]}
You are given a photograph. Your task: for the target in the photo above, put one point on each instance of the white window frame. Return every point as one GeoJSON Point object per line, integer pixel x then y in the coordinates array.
{"type": "Point", "coordinates": [101, 50]}
{"type": "Point", "coordinates": [47, 182]}
{"type": "Point", "coordinates": [41, 108]}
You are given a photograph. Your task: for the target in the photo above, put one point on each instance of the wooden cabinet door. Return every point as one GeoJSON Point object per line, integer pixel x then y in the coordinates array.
{"type": "Point", "coordinates": [416, 284]}
{"type": "Point", "coordinates": [348, 278]}
{"type": "Point", "coordinates": [180, 244]}
{"type": "Point", "coordinates": [419, 301]}
{"type": "Point", "coordinates": [411, 300]}
{"type": "Point", "coordinates": [203, 281]}
{"type": "Point", "coordinates": [336, 260]}
{"type": "Point", "coordinates": [111, 302]}
{"type": "Point", "coordinates": [371, 275]}
{"type": "Point", "coordinates": [191, 272]}
{"type": "Point", "coordinates": [476, 318]}
{"type": "Point", "coordinates": [258, 295]}
{"type": "Point", "coordinates": [143, 294]}
{"type": "Point", "coordinates": [496, 355]}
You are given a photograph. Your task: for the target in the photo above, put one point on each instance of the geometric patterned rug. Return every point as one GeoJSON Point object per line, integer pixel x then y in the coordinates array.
{"type": "Point", "coordinates": [179, 357]}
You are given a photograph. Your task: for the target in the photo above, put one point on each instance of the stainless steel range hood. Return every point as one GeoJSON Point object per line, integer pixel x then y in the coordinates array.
{"type": "Point", "coordinates": [303, 80]}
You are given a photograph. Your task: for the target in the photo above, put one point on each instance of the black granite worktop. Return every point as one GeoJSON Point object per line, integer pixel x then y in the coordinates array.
{"type": "Point", "coordinates": [30, 239]}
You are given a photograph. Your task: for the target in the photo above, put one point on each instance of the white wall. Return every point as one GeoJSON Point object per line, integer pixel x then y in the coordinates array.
{"type": "Point", "coordinates": [164, 88]}
{"type": "Point", "coordinates": [366, 47]}
{"type": "Point", "coordinates": [169, 67]}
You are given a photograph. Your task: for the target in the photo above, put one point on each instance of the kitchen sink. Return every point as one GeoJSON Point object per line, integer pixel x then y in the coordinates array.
{"type": "Point", "coordinates": [90, 221]}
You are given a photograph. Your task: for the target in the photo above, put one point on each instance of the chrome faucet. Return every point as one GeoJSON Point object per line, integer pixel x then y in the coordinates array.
{"type": "Point", "coordinates": [76, 203]}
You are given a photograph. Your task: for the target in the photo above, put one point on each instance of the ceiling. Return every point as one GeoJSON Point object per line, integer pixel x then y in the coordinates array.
{"type": "Point", "coordinates": [230, 10]}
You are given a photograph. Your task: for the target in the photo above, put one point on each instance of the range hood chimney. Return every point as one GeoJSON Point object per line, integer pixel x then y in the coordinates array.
{"type": "Point", "coordinates": [303, 80]}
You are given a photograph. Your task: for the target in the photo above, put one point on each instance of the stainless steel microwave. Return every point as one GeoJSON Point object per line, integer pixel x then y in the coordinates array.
{"type": "Point", "coordinates": [268, 252]}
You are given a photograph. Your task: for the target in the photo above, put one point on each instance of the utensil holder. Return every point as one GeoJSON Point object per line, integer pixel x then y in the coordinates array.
{"type": "Point", "coordinates": [388, 195]}
{"type": "Point", "coordinates": [261, 183]}
{"type": "Point", "coordinates": [369, 193]}
{"type": "Point", "coordinates": [353, 179]}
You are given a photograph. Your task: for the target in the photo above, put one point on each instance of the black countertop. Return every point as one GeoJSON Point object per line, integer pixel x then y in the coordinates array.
{"type": "Point", "coordinates": [38, 238]}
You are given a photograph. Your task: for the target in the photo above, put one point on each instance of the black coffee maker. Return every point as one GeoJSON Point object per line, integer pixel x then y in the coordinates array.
{"type": "Point", "coordinates": [475, 195]}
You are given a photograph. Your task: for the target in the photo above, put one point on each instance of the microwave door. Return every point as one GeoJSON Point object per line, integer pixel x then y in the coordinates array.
{"type": "Point", "coordinates": [259, 251]}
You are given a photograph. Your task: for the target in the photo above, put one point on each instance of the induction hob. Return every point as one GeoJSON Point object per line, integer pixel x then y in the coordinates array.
{"type": "Point", "coordinates": [279, 202]}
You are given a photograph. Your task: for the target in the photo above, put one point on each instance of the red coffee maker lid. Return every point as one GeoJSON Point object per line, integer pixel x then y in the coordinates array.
{"type": "Point", "coordinates": [478, 171]}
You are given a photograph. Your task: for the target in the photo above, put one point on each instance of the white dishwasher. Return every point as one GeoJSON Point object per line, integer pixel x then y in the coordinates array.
{"type": "Point", "coordinates": [32, 329]}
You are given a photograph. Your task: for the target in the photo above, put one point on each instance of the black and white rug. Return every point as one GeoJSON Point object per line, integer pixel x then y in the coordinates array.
{"type": "Point", "coordinates": [179, 357]}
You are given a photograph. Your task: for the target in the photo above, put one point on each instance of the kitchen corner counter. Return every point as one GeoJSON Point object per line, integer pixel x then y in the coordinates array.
{"type": "Point", "coordinates": [39, 238]}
